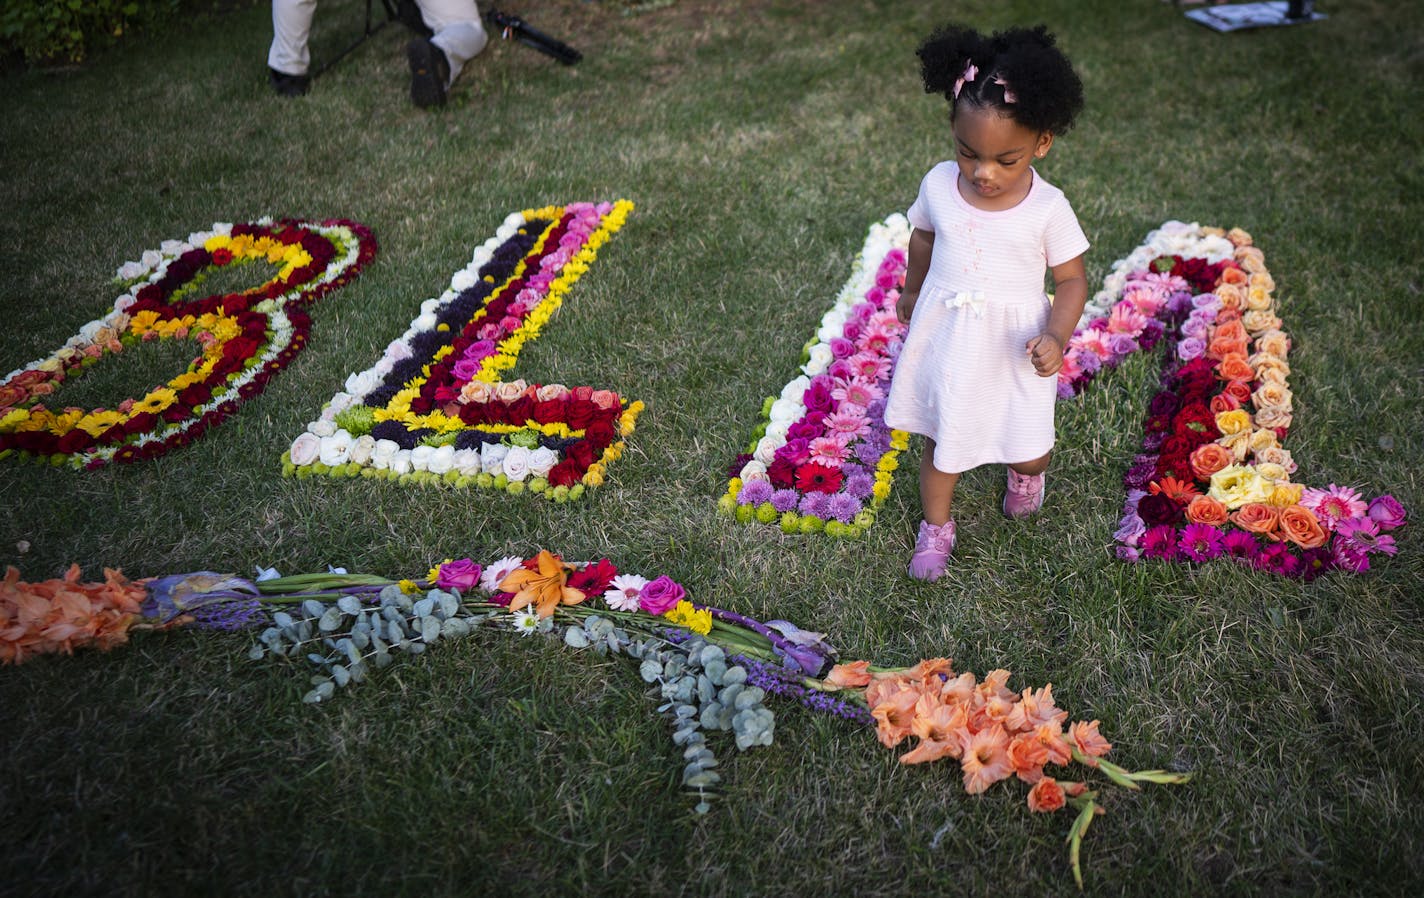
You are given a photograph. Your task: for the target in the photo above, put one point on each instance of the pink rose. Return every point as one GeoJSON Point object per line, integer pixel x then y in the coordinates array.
{"type": "Point", "coordinates": [1387, 512]}
{"type": "Point", "coordinates": [305, 448]}
{"type": "Point", "coordinates": [463, 574]}
{"type": "Point", "coordinates": [660, 596]}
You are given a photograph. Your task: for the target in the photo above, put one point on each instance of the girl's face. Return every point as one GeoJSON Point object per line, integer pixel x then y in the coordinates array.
{"type": "Point", "coordinates": [994, 153]}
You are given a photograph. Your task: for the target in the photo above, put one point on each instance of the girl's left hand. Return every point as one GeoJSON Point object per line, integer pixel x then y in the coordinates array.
{"type": "Point", "coordinates": [1046, 353]}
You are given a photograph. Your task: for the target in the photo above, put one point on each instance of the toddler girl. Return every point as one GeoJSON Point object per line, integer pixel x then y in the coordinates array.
{"type": "Point", "coordinates": [976, 374]}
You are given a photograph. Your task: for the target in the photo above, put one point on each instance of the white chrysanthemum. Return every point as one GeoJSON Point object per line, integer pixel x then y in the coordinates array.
{"type": "Point", "coordinates": [526, 622]}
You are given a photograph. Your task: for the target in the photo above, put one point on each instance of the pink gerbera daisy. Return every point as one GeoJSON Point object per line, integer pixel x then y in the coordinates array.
{"type": "Point", "coordinates": [847, 423]}
{"type": "Point", "coordinates": [1334, 504]}
{"type": "Point", "coordinates": [830, 450]}
{"type": "Point", "coordinates": [1160, 542]}
{"type": "Point", "coordinates": [858, 393]}
{"type": "Point", "coordinates": [869, 367]}
{"type": "Point", "coordinates": [1363, 534]}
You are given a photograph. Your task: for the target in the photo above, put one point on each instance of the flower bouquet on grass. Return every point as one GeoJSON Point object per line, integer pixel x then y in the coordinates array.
{"type": "Point", "coordinates": [709, 669]}
{"type": "Point", "coordinates": [1213, 479]}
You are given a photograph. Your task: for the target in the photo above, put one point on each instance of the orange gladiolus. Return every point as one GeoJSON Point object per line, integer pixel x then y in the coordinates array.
{"type": "Point", "coordinates": [893, 709]}
{"type": "Point", "coordinates": [1046, 796]}
{"type": "Point", "coordinates": [852, 675]}
{"type": "Point", "coordinates": [64, 614]}
{"type": "Point", "coordinates": [939, 727]}
{"type": "Point", "coordinates": [1299, 525]}
{"type": "Point", "coordinates": [1027, 755]}
{"type": "Point", "coordinates": [986, 759]}
{"type": "Point", "coordinates": [1088, 740]}
{"type": "Point", "coordinates": [1034, 709]}
{"type": "Point", "coordinates": [546, 588]}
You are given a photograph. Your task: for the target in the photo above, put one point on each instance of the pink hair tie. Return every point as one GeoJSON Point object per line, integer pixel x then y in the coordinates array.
{"type": "Point", "coordinates": [969, 72]}
{"type": "Point", "coordinates": [1009, 96]}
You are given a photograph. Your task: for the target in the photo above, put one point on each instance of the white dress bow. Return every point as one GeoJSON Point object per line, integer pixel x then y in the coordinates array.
{"type": "Point", "coordinates": [972, 299]}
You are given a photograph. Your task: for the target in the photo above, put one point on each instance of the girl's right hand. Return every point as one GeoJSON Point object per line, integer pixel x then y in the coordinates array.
{"type": "Point", "coordinates": [905, 305]}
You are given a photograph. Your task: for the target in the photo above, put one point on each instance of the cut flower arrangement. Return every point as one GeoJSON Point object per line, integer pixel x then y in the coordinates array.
{"type": "Point", "coordinates": [1213, 478]}
{"type": "Point", "coordinates": [244, 339]}
{"type": "Point", "coordinates": [710, 669]}
{"type": "Point", "coordinates": [823, 458]}
{"type": "Point", "coordinates": [433, 409]}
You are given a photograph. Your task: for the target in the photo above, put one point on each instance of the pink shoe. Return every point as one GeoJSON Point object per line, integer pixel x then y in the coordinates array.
{"type": "Point", "coordinates": [1024, 494]}
{"type": "Point", "coordinates": [932, 550]}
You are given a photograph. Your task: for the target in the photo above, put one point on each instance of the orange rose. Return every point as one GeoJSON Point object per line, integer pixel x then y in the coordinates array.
{"type": "Point", "coordinates": [1234, 277]}
{"type": "Point", "coordinates": [1046, 795]}
{"type": "Point", "coordinates": [1231, 330]}
{"type": "Point", "coordinates": [1226, 315]}
{"type": "Point", "coordinates": [1231, 296]}
{"type": "Point", "coordinates": [1240, 390]}
{"type": "Point", "coordinates": [1208, 458]}
{"type": "Point", "coordinates": [1257, 518]}
{"type": "Point", "coordinates": [1206, 510]}
{"type": "Point", "coordinates": [1223, 402]}
{"type": "Point", "coordinates": [1233, 366]}
{"type": "Point", "coordinates": [1300, 526]}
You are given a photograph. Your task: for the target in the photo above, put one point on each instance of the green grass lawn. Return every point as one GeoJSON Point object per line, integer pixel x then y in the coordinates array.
{"type": "Point", "coordinates": [758, 141]}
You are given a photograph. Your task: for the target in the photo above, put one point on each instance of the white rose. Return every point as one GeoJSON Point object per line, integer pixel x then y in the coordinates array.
{"type": "Point", "coordinates": [130, 270]}
{"type": "Point", "coordinates": [541, 460]}
{"type": "Point", "coordinates": [322, 428]}
{"type": "Point", "coordinates": [173, 247]}
{"type": "Point", "coordinates": [796, 388]}
{"type": "Point", "coordinates": [766, 447]}
{"type": "Point", "coordinates": [151, 258]}
{"type": "Point", "coordinates": [362, 383]}
{"type": "Point", "coordinates": [442, 460]}
{"type": "Point", "coordinates": [363, 449]}
{"type": "Point", "coordinates": [336, 449]}
{"type": "Point", "coordinates": [383, 453]}
{"type": "Point", "coordinates": [753, 470]}
{"type": "Point", "coordinates": [820, 360]}
{"type": "Point", "coordinates": [467, 462]}
{"type": "Point", "coordinates": [516, 463]}
{"type": "Point", "coordinates": [424, 322]}
{"type": "Point", "coordinates": [778, 429]}
{"type": "Point", "coordinates": [492, 457]}
{"type": "Point", "coordinates": [400, 462]}
{"type": "Point", "coordinates": [305, 449]}
{"type": "Point", "coordinates": [339, 403]}
{"type": "Point", "coordinates": [787, 410]}
{"type": "Point", "coordinates": [420, 457]}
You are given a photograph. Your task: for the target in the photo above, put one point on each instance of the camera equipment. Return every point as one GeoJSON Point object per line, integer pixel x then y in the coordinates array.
{"type": "Point", "coordinates": [514, 27]}
{"type": "Point", "coordinates": [403, 11]}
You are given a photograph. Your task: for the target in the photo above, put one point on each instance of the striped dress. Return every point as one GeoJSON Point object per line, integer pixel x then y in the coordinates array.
{"type": "Point", "coordinates": [963, 377]}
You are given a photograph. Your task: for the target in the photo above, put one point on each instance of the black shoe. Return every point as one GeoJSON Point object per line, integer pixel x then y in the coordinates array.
{"type": "Point", "coordinates": [288, 85]}
{"type": "Point", "coordinates": [429, 73]}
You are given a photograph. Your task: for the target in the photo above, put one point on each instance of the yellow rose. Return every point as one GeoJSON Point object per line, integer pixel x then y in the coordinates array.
{"type": "Point", "coordinates": [1258, 298]}
{"type": "Point", "coordinates": [1285, 494]}
{"type": "Point", "coordinates": [1273, 417]}
{"type": "Point", "coordinates": [1238, 237]}
{"type": "Point", "coordinates": [1233, 422]}
{"type": "Point", "coordinates": [1259, 320]}
{"type": "Point", "coordinates": [1263, 439]}
{"type": "Point", "coordinates": [1270, 472]}
{"type": "Point", "coordinates": [1237, 485]}
{"type": "Point", "coordinates": [1262, 279]}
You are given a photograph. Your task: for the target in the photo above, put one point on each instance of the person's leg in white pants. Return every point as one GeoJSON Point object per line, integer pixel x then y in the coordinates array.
{"type": "Point", "coordinates": [291, 27]}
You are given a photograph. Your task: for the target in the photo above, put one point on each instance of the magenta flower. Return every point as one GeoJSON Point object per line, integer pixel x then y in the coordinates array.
{"type": "Point", "coordinates": [1387, 512]}
{"type": "Point", "coordinates": [1363, 533]}
{"type": "Point", "coordinates": [1160, 542]}
{"type": "Point", "coordinates": [1277, 559]}
{"type": "Point", "coordinates": [1347, 557]}
{"type": "Point", "coordinates": [1241, 546]}
{"type": "Point", "coordinates": [1201, 542]}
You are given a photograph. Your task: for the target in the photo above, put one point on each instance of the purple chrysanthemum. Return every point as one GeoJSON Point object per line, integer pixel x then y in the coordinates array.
{"type": "Point", "coordinates": [860, 487]}
{"type": "Point", "coordinates": [814, 504]}
{"type": "Point", "coordinates": [843, 508]}
{"type": "Point", "coordinates": [785, 500]}
{"type": "Point", "coordinates": [755, 492]}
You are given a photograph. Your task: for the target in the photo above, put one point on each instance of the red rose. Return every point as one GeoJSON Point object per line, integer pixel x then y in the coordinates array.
{"type": "Point", "coordinates": [74, 441]}
{"type": "Point", "coordinates": [195, 394]}
{"type": "Point", "coordinates": [474, 413]}
{"type": "Point", "coordinates": [580, 411]}
{"type": "Point", "coordinates": [600, 434]}
{"type": "Point", "coordinates": [565, 473]}
{"type": "Point", "coordinates": [140, 423]}
{"type": "Point", "coordinates": [782, 473]}
{"type": "Point", "coordinates": [550, 411]}
{"type": "Point", "coordinates": [582, 454]}
{"type": "Point", "coordinates": [520, 410]}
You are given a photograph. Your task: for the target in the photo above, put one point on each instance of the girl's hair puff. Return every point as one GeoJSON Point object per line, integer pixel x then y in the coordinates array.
{"type": "Point", "coordinates": [1047, 93]}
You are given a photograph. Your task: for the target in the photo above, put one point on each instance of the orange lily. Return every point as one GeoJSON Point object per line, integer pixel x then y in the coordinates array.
{"type": "Point", "coordinates": [546, 588]}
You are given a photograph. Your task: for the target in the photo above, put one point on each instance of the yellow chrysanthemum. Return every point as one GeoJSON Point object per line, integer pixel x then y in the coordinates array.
{"type": "Point", "coordinates": [687, 615]}
{"type": "Point", "coordinates": [217, 241]}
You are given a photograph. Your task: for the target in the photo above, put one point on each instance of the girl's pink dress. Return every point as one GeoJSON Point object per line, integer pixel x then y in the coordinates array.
{"type": "Point", "coordinates": [963, 377]}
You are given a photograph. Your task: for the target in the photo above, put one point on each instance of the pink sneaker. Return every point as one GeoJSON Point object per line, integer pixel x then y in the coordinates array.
{"type": "Point", "coordinates": [932, 550]}
{"type": "Point", "coordinates": [1024, 494]}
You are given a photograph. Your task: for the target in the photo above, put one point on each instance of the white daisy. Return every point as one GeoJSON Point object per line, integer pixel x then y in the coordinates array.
{"type": "Point", "coordinates": [526, 622]}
